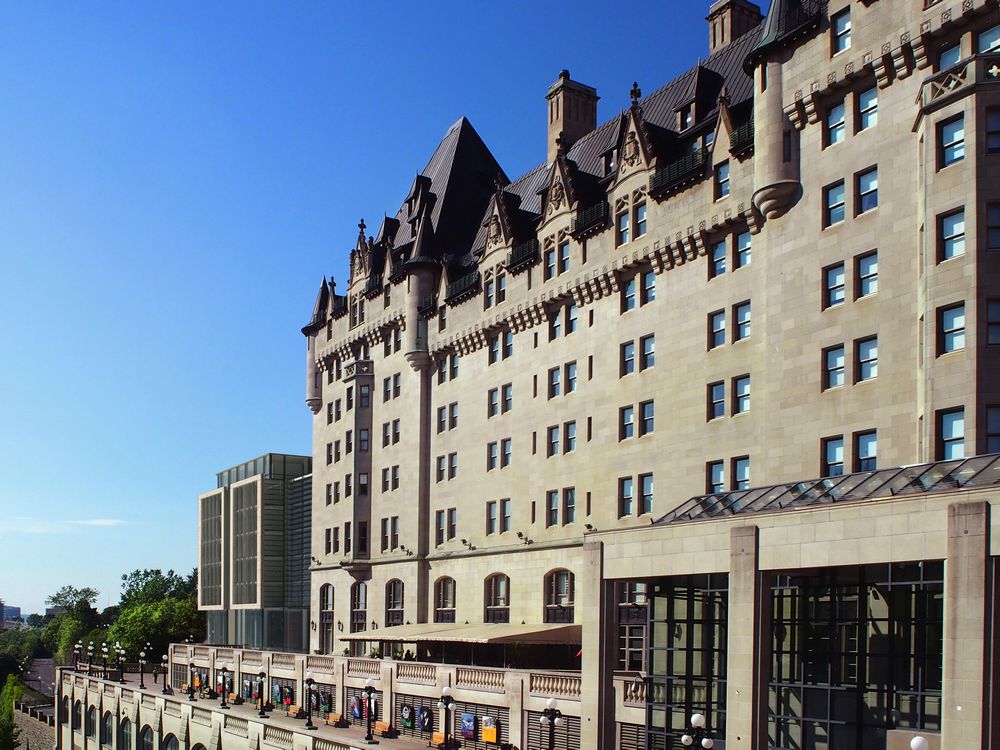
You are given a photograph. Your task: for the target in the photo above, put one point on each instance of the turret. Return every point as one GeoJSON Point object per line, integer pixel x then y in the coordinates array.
{"type": "Point", "coordinates": [314, 385]}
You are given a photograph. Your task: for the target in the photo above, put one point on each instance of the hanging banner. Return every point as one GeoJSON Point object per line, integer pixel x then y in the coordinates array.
{"type": "Point", "coordinates": [356, 707]}
{"type": "Point", "coordinates": [489, 729]}
{"type": "Point", "coordinates": [425, 719]}
{"type": "Point", "coordinates": [468, 727]}
{"type": "Point", "coordinates": [406, 714]}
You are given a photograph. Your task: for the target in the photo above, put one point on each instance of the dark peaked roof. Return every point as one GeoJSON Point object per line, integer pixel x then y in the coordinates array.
{"type": "Point", "coordinates": [318, 319]}
{"type": "Point", "coordinates": [785, 20]}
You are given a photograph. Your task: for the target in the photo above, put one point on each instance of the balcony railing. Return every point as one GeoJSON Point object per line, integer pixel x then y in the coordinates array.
{"type": "Point", "coordinates": [373, 287]}
{"type": "Point", "coordinates": [559, 614]}
{"type": "Point", "coordinates": [339, 308]}
{"type": "Point", "coordinates": [959, 79]}
{"type": "Point", "coordinates": [741, 140]}
{"type": "Point", "coordinates": [523, 256]}
{"type": "Point", "coordinates": [427, 305]}
{"type": "Point", "coordinates": [393, 617]}
{"type": "Point", "coordinates": [555, 685]}
{"type": "Point", "coordinates": [591, 219]}
{"type": "Point", "coordinates": [497, 614]}
{"type": "Point", "coordinates": [678, 172]}
{"type": "Point", "coordinates": [463, 287]}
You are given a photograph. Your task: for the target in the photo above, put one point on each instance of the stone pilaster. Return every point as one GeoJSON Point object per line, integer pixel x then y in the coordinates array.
{"type": "Point", "coordinates": [742, 659]}
{"type": "Point", "coordinates": [595, 611]}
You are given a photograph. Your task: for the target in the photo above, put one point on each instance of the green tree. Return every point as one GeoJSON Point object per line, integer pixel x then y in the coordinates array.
{"type": "Point", "coordinates": [71, 598]}
{"type": "Point", "coordinates": [12, 691]}
{"type": "Point", "coordinates": [150, 585]}
{"type": "Point", "coordinates": [36, 621]}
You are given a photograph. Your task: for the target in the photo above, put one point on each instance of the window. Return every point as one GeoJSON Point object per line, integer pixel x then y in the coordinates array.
{"type": "Point", "coordinates": [492, 456]}
{"type": "Point", "coordinates": [993, 429]}
{"type": "Point", "coordinates": [442, 420]}
{"type": "Point", "coordinates": [572, 317]}
{"type": "Point", "coordinates": [552, 441]}
{"type": "Point", "coordinates": [329, 453]}
{"type": "Point", "coordinates": [866, 359]}
{"type": "Point", "coordinates": [621, 225]}
{"type": "Point", "coordinates": [393, 603]}
{"type": "Point", "coordinates": [348, 538]}
{"type": "Point", "coordinates": [840, 30]}
{"type": "Point", "coordinates": [497, 599]}
{"type": "Point", "coordinates": [441, 468]}
{"type": "Point", "coordinates": [993, 322]}
{"type": "Point", "coordinates": [329, 412]}
{"type": "Point", "coordinates": [491, 517]}
{"type": "Point", "coordinates": [559, 586]}
{"type": "Point", "coordinates": [989, 40]}
{"type": "Point", "coordinates": [951, 431]}
{"type": "Point", "coordinates": [563, 257]}
{"type": "Point", "coordinates": [717, 260]}
{"type": "Point", "coordinates": [442, 369]}
{"type": "Point", "coordinates": [627, 359]}
{"type": "Point", "coordinates": [833, 456]}
{"type": "Point", "coordinates": [442, 318]}
{"type": "Point", "coordinates": [833, 367]}
{"type": "Point", "coordinates": [107, 731]}
{"type": "Point", "coordinates": [569, 505]}
{"type": "Point", "coordinates": [555, 382]}
{"type": "Point", "coordinates": [505, 515]}
{"type": "Point", "coordinates": [452, 522]}
{"type": "Point", "coordinates": [951, 141]}
{"type": "Point", "coordinates": [384, 536]}
{"type": "Point", "coordinates": [453, 362]}
{"type": "Point", "coordinates": [570, 377]}
{"type": "Point", "coordinates": [647, 292]}
{"type": "Point", "coordinates": [569, 437]}
{"type": "Point", "coordinates": [347, 485]}
{"type": "Point", "coordinates": [949, 56]}
{"type": "Point", "coordinates": [488, 294]}
{"type": "Point", "coordinates": [439, 528]}
{"type": "Point", "coordinates": [494, 351]}
{"type": "Point", "coordinates": [865, 451]}
{"type": "Point", "coordinates": [506, 447]}
{"type": "Point", "coordinates": [647, 352]}
{"type": "Point", "coordinates": [625, 497]}
{"type": "Point", "coordinates": [951, 322]}
{"type": "Point", "coordinates": [867, 274]}
{"type": "Point", "coordinates": [646, 417]}
{"type": "Point", "coordinates": [508, 344]}
{"type": "Point", "coordinates": [452, 465]}
{"type": "Point", "coordinates": [833, 285]}
{"type": "Point", "coordinates": [716, 400]}
{"type": "Point", "coordinates": [395, 477]}
{"type": "Point", "coordinates": [741, 473]}
{"type": "Point", "coordinates": [834, 126]}
{"type": "Point", "coordinates": [741, 394]}
{"type": "Point", "coordinates": [452, 415]}
{"type": "Point", "coordinates": [686, 114]}
{"type": "Point", "coordinates": [993, 130]}
{"type": "Point", "coordinates": [493, 402]}
{"type": "Point", "coordinates": [555, 323]}
{"type": "Point", "coordinates": [363, 440]}
{"type": "Point", "coordinates": [715, 477]}
{"type": "Point", "coordinates": [741, 317]}
{"type": "Point", "coordinates": [146, 739]}
{"type": "Point", "coordinates": [349, 441]}
{"type": "Point", "coordinates": [329, 493]}
{"type": "Point", "coordinates": [507, 395]}
{"type": "Point", "coordinates": [952, 233]}
{"type": "Point", "coordinates": [385, 479]}
{"type": "Point", "coordinates": [742, 256]}
{"type": "Point", "coordinates": [552, 508]}
{"type": "Point", "coordinates": [866, 190]}
{"type": "Point", "coordinates": [867, 109]}
{"type": "Point", "coordinates": [363, 484]}
{"type": "Point", "coordinates": [639, 219]}
{"type": "Point", "coordinates": [501, 288]}
{"type": "Point", "coordinates": [550, 264]}
{"type": "Point", "coordinates": [716, 329]}
{"type": "Point", "coordinates": [444, 600]}
{"type": "Point", "coordinates": [628, 295]}
{"type": "Point", "coordinates": [626, 422]}
{"type": "Point", "coordinates": [833, 204]}
{"type": "Point", "coordinates": [722, 180]}
{"type": "Point", "coordinates": [993, 226]}
{"type": "Point", "coordinates": [395, 431]}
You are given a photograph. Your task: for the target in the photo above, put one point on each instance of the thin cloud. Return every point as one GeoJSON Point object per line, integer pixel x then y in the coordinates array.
{"type": "Point", "coordinates": [29, 525]}
{"type": "Point", "coordinates": [107, 522]}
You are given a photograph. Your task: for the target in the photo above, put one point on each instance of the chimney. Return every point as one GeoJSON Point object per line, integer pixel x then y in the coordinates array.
{"type": "Point", "coordinates": [728, 20]}
{"type": "Point", "coordinates": [572, 113]}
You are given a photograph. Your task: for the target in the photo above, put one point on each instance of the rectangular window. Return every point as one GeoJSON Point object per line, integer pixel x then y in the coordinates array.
{"type": "Point", "coordinates": [366, 396]}
{"type": "Point", "coordinates": [715, 477]}
{"type": "Point", "coordinates": [951, 431]}
{"type": "Point", "coordinates": [833, 204]}
{"type": "Point", "coordinates": [442, 420]}
{"type": "Point", "coordinates": [993, 130]}
{"type": "Point", "coordinates": [552, 508]}
{"type": "Point", "coordinates": [741, 321]}
{"type": "Point", "coordinates": [508, 344]}
{"type": "Point", "coordinates": [993, 429]}
{"type": "Point", "coordinates": [395, 431]}
{"type": "Point", "coordinates": [647, 352]}
{"type": "Point", "coordinates": [951, 228]}
{"type": "Point", "coordinates": [493, 402]}
{"type": "Point", "coordinates": [989, 40]}
{"type": "Point", "coordinates": [329, 453]}
{"type": "Point", "coordinates": [833, 456]}
{"type": "Point", "coordinates": [993, 226]}
{"type": "Point", "coordinates": [347, 485]}
{"type": "Point", "coordinates": [348, 441]}
{"type": "Point", "coordinates": [951, 141]}
{"type": "Point", "coordinates": [572, 318]}
{"type": "Point", "coordinates": [439, 528]}
{"type": "Point", "coordinates": [867, 275]}
{"type": "Point", "coordinates": [626, 422]}
{"type": "Point", "coordinates": [442, 370]}
{"type": "Point", "coordinates": [506, 446]}
{"type": "Point", "coordinates": [555, 323]}
{"type": "Point", "coordinates": [453, 416]}
{"type": "Point", "coordinates": [336, 540]}
{"type": "Point", "coordinates": [741, 473]}
{"type": "Point", "coordinates": [555, 382]}
{"type": "Point", "coordinates": [866, 359]}
{"type": "Point", "coordinates": [336, 410]}
{"type": "Point", "coordinates": [949, 56]}
{"type": "Point", "coordinates": [395, 477]}
{"type": "Point", "coordinates": [442, 318]}
{"type": "Point", "coordinates": [552, 441]}
{"type": "Point", "coordinates": [866, 190]}
{"type": "Point", "coordinates": [452, 465]}
{"type": "Point", "coordinates": [493, 355]}
{"type": "Point", "coordinates": [441, 468]}
{"type": "Point", "coordinates": [492, 456]}
{"type": "Point", "coordinates": [742, 255]}
{"type": "Point", "coordinates": [867, 109]}
{"type": "Point", "coordinates": [722, 180]}
{"type": "Point", "coordinates": [646, 417]}
{"type": "Point", "coordinates": [647, 292]}
{"type": "Point", "coordinates": [640, 219]}
{"type": "Point", "coordinates": [570, 377]}
{"type": "Point", "coordinates": [384, 535]}
{"type": "Point", "coordinates": [951, 329]}
{"type": "Point", "coordinates": [348, 537]}
{"type": "Point", "coordinates": [834, 126]}
{"type": "Point", "coordinates": [349, 402]}
{"type": "Point", "coordinates": [717, 260]}
{"type": "Point", "coordinates": [628, 295]}
{"type": "Point", "coordinates": [716, 400]}
{"type": "Point", "coordinates": [626, 364]}
{"type": "Point", "coordinates": [329, 493]}
{"type": "Point", "coordinates": [550, 264]}
{"type": "Point", "coordinates": [993, 322]}
{"type": "Point", "coordinates": [833, 285]}
{"type": "Point", "coordinates": [501, 288]}
{"type": "Point", "coordinates": [833, 367]}
{"type": "Point", "coordinates": [716, 329]}
{"type": "Point", "coordinates": [504, 515]}
{"type": "Point", "coordinates": [569, 505]}
{"type": "Point", "coordinates": [569, 437]}
{"type": "Point", "coordinates": [645, 493]}
{"type": "Point", "coordinates": [507, 393]}
{"type": "Point", "coordinates": [840, 31]}
{"type": "Point", "coordinates": [563, 257]}
{"type": "Point", "coordinates": [621, 225]}
{"type": "Point", "coordinates": [452, 522]}
{"type": "Point", "coordinates": [363, 440]}
{"type": "Point", "coordinates": [741, 394]}
{"type": "Point", "coordinates": [626, 500]}
{"type": "Point", "coordinates": [488, 294]}
{"type": "Point", "coordinates": [865, 451]}
{"type": "Point", "coordinates": [453, 362]}
{"type": "Point", "coordinates": [329, 412]}
{"type": "Point", "coordinates": [491, 517]}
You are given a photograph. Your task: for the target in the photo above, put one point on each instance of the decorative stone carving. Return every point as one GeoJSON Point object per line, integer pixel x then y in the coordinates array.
{"type": "Point", "coordinates": [630, 151]}
{"type": "Point", "coordinates": [556, 196]}
{"type": "Point", "coordinates": [494, 234]}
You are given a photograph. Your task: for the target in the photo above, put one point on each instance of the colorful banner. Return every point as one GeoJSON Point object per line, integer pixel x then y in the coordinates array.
{"type": "Point", "coordinates": [468, 727]}
{"type": "Point", "coordinates": [357, 707]}
{"type": "Point", "coordinates": [426, 719]}
{"type": "Point", "coordinates": [489, 729]}
{"type": "Point", "coordinates": [406, 714]}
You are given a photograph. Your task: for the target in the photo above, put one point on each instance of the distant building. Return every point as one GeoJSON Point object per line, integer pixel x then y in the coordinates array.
{"type": "Point", "coordinates": [11, 613]}
{"type": "Point", "coordinates": [53, 611]}
{"type": "Point", "coordinates": [253, 554]}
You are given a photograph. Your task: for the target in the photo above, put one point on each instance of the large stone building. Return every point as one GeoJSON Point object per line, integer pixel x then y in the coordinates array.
{"type": "Point", "coordinates": [699, 415]}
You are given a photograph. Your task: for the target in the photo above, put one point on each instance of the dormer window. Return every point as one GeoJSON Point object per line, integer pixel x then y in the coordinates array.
{"type": "Point", "coordinates": [685, 117]}
{"type": "Point", "coordinates": [609, 163]}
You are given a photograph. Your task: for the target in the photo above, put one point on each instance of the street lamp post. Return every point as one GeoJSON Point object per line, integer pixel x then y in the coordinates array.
{"type": "Point", "coordinates": [104, 655]}
{"type": "Point", "coordinates": [166, 671]}
{"type": "Point", "coordinates": [224, 670]}
{"type": "Point", "coordinates": [121, 662]}
{"type": "Point", "coordinates": [697, 733]}
{"type": "Point", "coordinates": [551, 717]}
{"type": "Point", "coordinates": [369, 692]}
{"type": "Point", "coordinates": [191, 683]}
{"type": "Point", "coordinates": [260, 693]}
{"type": "Point", "coordinates": [77, 654]}
{"type": "Point", "coordinates": [309, 694]}
{"type": "Point", "coordinates": [142, 666]}
{"type": "Point", "coordinates": [90, 657]}
{"type": "Point", "coordinates": [447, 703]}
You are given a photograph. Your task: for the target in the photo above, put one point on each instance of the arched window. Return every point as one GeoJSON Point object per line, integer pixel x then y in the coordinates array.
{"type": "Point", "coordinates": [444, 600]}
{"type": "Point", "coordinates": [107, 728]}
{"type": "Point", "coordinates": [146, 738]}
{"type": "Point", "coordinates": [326, 618]}
{"type": "Point", "coordinates": [125, 735]}
{"type": "Point", "coordinates": [77, 715]}
{"type": "Point", "coordinates": [169, 743]}
{"type": "Point", "coordinates": [559, 593]}
{"type": "Point", "coordinates": [497, 598]}
{"type": "Point", "coordinates": [64, 710]}
{"type": "Point", "coordinates": [91, 727]}
{"type": "Point", "coordinates": [326, 598]}
{"type": "Point", "coordinates": [359, 606]}
{"type": "Point", "coordinates": [394, 603]}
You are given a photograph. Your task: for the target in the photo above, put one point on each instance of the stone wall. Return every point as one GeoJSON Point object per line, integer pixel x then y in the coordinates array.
{"type": "Point", "coordinates": [35, 732]}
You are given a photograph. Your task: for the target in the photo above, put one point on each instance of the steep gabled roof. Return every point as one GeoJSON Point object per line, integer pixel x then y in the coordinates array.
{"type": "Point", "coordinates": [786, 20]}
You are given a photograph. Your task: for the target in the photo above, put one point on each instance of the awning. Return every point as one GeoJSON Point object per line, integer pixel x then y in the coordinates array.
{"type": "Point", "coordinates": [485, 633]}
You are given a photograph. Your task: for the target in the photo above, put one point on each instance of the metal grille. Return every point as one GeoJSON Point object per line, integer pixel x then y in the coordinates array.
{"type": "Point", "coordinates": [418, 702]}
{"type": "Point", "coordinates": [631, 737]}
{"type": "Point", "coordinates": [567, 734]}
{"type": "Point", "coordinates": [501, 716]}
{"type": "Point", "coordinates": [324, 699]}
{"type": "Point", "coordinates": [352, 693]}
{"type": "Point", "coordinates": [282, 692]}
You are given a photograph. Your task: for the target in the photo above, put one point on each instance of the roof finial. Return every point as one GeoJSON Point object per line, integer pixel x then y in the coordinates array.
{"type": "Point", "coordinates": [635, 93]}
{"type": "Point", "coordinates": [498, 182]}
{"type": "Point", "coordinates": [560, 144]}
{"type": "Point", "coordinates": [361, 227]}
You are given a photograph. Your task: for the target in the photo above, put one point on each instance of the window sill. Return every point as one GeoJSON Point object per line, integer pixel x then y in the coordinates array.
{"type": "Point", "coordinates": [835, 225]}
{"type": "Point", "coordinates": [869, 212]}
{"type": "Point", "coordinates": [864, 297]}
{"type": "Point", "coordinates": [953, 351]}
{"type": "Point", "coordinates": [942, 261]}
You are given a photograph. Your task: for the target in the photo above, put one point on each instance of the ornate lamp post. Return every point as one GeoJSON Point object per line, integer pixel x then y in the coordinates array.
{"type": "Point", "coordinates": [224, 669]}
{"type": "Point", "coordinates": [166, 671]}
{"type": "Point", "coordinates": [77, 653]}
{"type": "Point", "coordinates": [309, 704]}
{"type": "Point", "coordinates": [260, 693]}
{"type": "Point", "coordinates": [104, 654]}
{"type": "Point", "coordinates": [551, 717]}
{"type": "Point", "coordinates": [697, 733]}
{"type": "Point", "coordinates": [120, 651]}
{"type": "Point", "coordinates": [447, 703]}
{"type": "Point", "coordinates": [142, 669]}
{"type": "Point", "coordinates": [369, 703]}
{"type": "Point", "coordinates": [90, 656]}
{"type": "Point", "coordinates": [191, 683]}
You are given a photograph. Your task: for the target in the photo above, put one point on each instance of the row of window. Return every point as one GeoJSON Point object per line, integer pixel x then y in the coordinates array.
{"type": "Point", "coordinates": [740, 394]}
{"type": "Point", "coordinates": [627, 355]}
{"type": "Point", "coordinates": [717, 325]}
{"type": "Point", "coordinates": [447, 467]}
{"type": "Point", "coordinates": [499, 400]}
{"type": "Point", "coordinates": [865, 279]}
{"type": "Point", "coordinates": [498, 454]}
{"type": "Point", "coordinates": [390, 433]}
{"type": "Point", "coordinates": [630, 225]}
{"type": "Point", "coordinates": [740, 246]}
{"type": "Point", "coordinates": [865, 362]}
{"type": "Point", "coordinates": [865, 197]}
{"type": "Point", "coordinates": [392, 387]}
{"type": "Point", "coordinates": [390, 533]}
{"type": "Point", "coordinates": [333, 410]}
{"type": "Point", "coordinates": [392, 342]}
{"type": "Point", "coordinates": [627, 420]}
{"type": "Point", "coordinates": [447, 417]}
{"type": "Point", "coordinates": [865, 117]}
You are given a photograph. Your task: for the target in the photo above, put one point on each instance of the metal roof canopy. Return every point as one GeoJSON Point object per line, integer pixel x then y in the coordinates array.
{"type": "Point", "coordinates": [478, 633]}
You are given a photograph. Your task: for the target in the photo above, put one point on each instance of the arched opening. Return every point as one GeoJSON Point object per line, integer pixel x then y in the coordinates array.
{"type": "Point", "coordinates": [64, 710]}
{"type": "Point", "coordinates": [444, 599]}
{"type": "Point", "coordinates": [393, 603]}
{"type": "Point", "coordinates": [497, 598]}
{"type": "Point", "coordinates": [359, 606]}
{"type": "Point", "coordinates": [77, 715]}
{"type": "Point", "coordinates": [559, 595]}
{"type": "Point", "coordinates": [107, 728]}
{"type": "Point", "coordinates": [90, 729]}
{"type": "Point", "coordinates": [169, 743]}
{"type": "Point", "coordinates": [125, 735]}
{"type": "Point", "coordinates": [146, 738]}
{"type": "Point", "coordinates": [326, 618]}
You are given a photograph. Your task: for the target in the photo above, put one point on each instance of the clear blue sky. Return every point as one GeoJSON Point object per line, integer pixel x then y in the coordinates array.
{"type": "Point", "coordinates": [176, 178]}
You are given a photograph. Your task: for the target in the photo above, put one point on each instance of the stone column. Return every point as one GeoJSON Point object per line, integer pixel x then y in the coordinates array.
{"type": "Point", "coordinates": [742, 658]}
{"type": "Point", "coordinates": [595, 611]}
{"type": "Point", "coordinates": [965, 621]}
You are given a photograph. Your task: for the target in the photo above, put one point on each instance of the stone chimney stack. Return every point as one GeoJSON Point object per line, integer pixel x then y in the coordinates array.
{"type": "Point", "coordinates": [728, 20]}
{"type": "Point", "coordinates": [572, 113]}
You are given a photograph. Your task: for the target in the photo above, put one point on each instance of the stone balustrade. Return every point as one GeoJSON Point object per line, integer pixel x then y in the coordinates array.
{"type": "Point", "coordinates": [326, 664]}
{"type": "Point", "coordinates": [416, 673]}
{"type": "Point", "coordinates": [364, 667]}
{"type": "Point", "coordinates": [283, 661]}
{"type": "Point", "coordinates": [490, 680]}
{"type": "Point", "coordinates": [277, 736]}
{"type": "Point", "coordinates": [555, 685]}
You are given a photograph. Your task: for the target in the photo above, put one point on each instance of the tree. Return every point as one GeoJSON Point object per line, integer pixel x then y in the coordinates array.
{"type": "Point", "coordinates": [36, 621]}
{"type": "Point", "coordinates": [12, 691]}
{"type": "Point", "coordinates": [71, 598]}
{"type": "Point", "coordinates": [151, 585]}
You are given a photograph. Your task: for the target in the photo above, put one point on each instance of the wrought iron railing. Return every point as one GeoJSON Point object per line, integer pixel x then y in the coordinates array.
{"type": "Point", "coordinates": [741, 139]}
{"type": "Point", "coordinates": [591, 218]}
{"type": "Point", "coordinates": [678, 171]}
{"type": "Point", "coordinates": [463, 287]}
{"type": "Point", "coordinates": [339, 307]}
{"type": "Point", "coordinates": [428, 305]}
{"type": "Point", "coordinates": [373, 286]}
{"type": "Point", "coordinates": [523, 256]}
